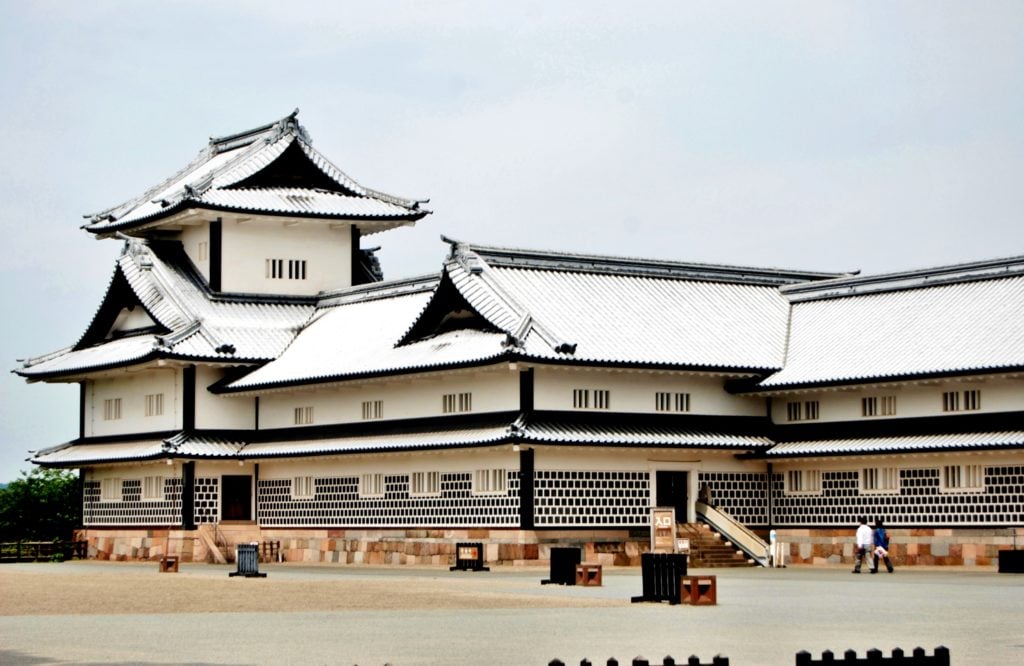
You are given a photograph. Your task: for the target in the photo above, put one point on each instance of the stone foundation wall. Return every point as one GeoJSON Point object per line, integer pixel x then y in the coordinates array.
{"type": "Point", "coordinates": [907, 547]}
{"type": "Point", "coordinates": [392, 547]}
{"type": "Point", "coordinates": [137, 544]}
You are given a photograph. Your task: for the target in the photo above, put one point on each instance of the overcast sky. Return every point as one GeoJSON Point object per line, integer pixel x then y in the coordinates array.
{"type": "Point", "coordinates": [878, 136]}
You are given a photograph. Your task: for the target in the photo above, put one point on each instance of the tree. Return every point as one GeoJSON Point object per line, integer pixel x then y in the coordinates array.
{"type": "Point", "coordinates": [41, 505]}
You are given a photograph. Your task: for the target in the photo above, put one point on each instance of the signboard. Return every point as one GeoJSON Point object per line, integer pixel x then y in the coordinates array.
{"type": "Point", "coordinates": [468, 552]}
{"type": "Point", "coordinates": [683, 546]}
{"type": "Point", "coordinates": [663, 530]}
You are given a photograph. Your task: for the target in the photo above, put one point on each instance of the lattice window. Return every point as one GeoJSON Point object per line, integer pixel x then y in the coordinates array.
{"type": "Point", "coordinates": [961, 478]}
{"type": "Point", "coordinates": [452, 403]}
{"type": "Point", "coordinates": [806, 410]}
{"type": "Point", "coordinates": [803, 481]}
{"type": "Point", "coordinates": [591, 399]}
{"type": "Point", "coordinates": [490, 481]}
{"type": "Point", "coordinates": [303, 487]}
{"type": "Point", "coordinates": [425, 483]}
{"type": "Point", "coordinates": [110, 490]}
{"type": "Point", "coordinates": [371, 485]}
{"type": "Point", "coordinates": [112, 409]}
{"type": "Point", "coordinates": [956, 401]}
{"type": "Point", "coordinates": [665, 401]}
{"type": "Point", "coordinates": [280, 269]}
{"type": "Point", "coordinates": [153, 488]}
{"type": "Point", "coordinates": [303, 415]}
{"type": "Point", "coordinates": [373, 409]}
{"type": "Point", "coordinates": [880, 480]}
{"type": "Point", "coordinates": [154, 404]}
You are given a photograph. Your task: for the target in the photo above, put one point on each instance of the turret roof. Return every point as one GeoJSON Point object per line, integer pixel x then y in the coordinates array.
{"type": "Point", "coordinates": [272, 169]}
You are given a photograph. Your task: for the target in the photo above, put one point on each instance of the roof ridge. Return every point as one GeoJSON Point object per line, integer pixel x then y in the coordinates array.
{"type": "Point", "coordinates": [987, 269]}
{"type": "Point", "coordinates": [641, 267]}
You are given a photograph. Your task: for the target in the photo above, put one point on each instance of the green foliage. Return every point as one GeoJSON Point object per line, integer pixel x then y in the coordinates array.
{"type": "Point", "coordinates": [40, 506]}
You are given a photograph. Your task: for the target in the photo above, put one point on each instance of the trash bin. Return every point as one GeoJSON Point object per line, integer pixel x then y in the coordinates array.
{"type": "Point", "coordinates": [661, 573]}
{"type": "Point", "coordinates": [247, 561]}
{"type": "Point", "coordinates": [563, 566]}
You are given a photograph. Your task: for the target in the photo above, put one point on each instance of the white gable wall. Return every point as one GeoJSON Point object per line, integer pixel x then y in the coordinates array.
{"type": "Point", "coordinates": [634, 391]}
{"type": "Point", "coordinates": [912, 400]}
{"type": "Point", "coordinates": [131, 388]}
{"type": "Point", "coordinates": [493, 390]}
{"type": "Point", "coordinates": [247, 245]}
{"type": "Point", "coordinates": [220, 412]}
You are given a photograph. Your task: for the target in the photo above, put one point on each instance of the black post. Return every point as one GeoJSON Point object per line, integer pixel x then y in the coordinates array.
{"type": "Point", "coordinates": [526, 489]}
{"type": "Point", "coordinates": [188, 496]}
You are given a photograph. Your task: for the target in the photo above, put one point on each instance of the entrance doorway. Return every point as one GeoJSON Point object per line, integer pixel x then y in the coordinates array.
{"type": "Point", "coordinates": [236, 497]}
{"type": "Point", "coordinates": [673, 491]}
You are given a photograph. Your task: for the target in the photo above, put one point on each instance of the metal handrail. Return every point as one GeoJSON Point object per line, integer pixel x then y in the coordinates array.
{"type": "Point", "coordinates": [738, 533]}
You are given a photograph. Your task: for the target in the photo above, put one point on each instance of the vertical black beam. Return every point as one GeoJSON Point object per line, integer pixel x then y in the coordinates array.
{"type": "Point", "coordinates": [188, 398]}
{"type": "Point", "coordinates": [81, 409]}
{"type": "Point", "coordinates": [526, 510]}
{"type": "Point", "coordinates": [257, 407]}
{"type": "Point", "coordinates": [356, 257]}
{"type": "Point", "coordinates": [526, 391]}
{"type": "Point", "coordinates": [80, 512]}
{"type": "Point", "coordinates": [188, 496]}
{"type": "Point", "coordinates": [256, 493]}
{"type": "Point", "coordinates": [216, 251]}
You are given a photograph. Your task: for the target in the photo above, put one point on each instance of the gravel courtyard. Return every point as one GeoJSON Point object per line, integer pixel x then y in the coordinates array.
{"type": "Point", "coordinates": [129, 613]}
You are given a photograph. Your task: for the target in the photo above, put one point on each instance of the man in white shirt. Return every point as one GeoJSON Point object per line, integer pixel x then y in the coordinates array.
{"type": "Point", "coordinates": [865, 541]}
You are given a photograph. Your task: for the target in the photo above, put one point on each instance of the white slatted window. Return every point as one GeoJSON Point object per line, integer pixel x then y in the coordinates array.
{"type": "Point", "coordinates": [591, 399]}
{"type": "Point", "coordinates": [425, 484]}
{"type": "Point", "coordinates": [154, 404]}
{"type": "Point", "coordinates": [303, 415]}
{"type": "Point", "coordinates": [373, 409]}
{"type": "Point", "coordinates": [281, 269]}
{"type": "Point", "coordinates": [452, 403]}
{"type": "Point", "coordinates": [803, 481]}
{"type": "Point", "coordinates": [957, 401]}
{"type": "Point", "coordinates": [371, 485]}
{"type": "Point", "coordinates": [880, 480]}
{"type": "Point", "coordinates": [806, 410]}
{"type": "Point", "coordinates": [110, 490]}
{"type": "Point", "coordinates": [963, 478]}
{"type": "Point", "coordinates": [303, 487]}
{"type": "Point", "coordinates": [153, 488]}
{"type": "Point", "coordinates": [490, 481]}
{"type": "Point", "coordinates": [112, 409]}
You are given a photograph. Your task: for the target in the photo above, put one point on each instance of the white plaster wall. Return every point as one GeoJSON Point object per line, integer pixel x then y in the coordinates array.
{"type": "Point", "coordinates": [132, 388]}
{"type": "Point", "coordinates": [191, 237]}
{"type": "Point", "coordinates": [221, 412]}
{"type": "Point", "coordinates": [466, 460]}
{"type": "Point", "coordinates": [635, 391]}
{"type": "Point", "coordinates": [904, 461]}
{"type": "Point", "coordinates": [247, 245]}
{"type": "Point", "coordinates": [912, 400]}
{"type": "Point", "coordinates": [493, 390]}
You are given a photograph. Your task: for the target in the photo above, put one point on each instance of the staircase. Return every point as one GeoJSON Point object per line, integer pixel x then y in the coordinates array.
{"type": "Point", "coordinates": [709, 549]}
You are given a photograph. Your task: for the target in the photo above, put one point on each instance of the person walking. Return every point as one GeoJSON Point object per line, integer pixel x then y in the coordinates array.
{"type": "Point", "coordinates": [865, 541]}
{"type": "Point", "coordinates": [880, 540]}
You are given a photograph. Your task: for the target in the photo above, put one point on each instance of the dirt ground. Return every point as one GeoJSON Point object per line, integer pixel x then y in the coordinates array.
{"type": "Point", "coordinates": [112, 589]}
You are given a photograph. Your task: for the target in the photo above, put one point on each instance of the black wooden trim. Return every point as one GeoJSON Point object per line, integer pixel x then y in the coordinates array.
{"type": "Point", "coordinates": [526, 392]}
{"type": "Point", "coordinates": [952, 423]}
{"type": "Point", "coordinates": [216, 252]}
{"type": "Point", "coordinates": [354, 256]}
{"type": "Point", "coordinates": [256, 407]}
{"type": "Point", "coordinates": [82, 401]}
{"type": "Point", "coordinates": [526, 489]}
{"type": "Point", "coordinates": [188, 496]}
{"type": "Point", "coordinates": [188, 398]}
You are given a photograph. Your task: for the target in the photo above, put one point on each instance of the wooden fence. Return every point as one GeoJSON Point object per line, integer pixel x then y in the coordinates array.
{"type": "Point", "coordinates": [42, 551]}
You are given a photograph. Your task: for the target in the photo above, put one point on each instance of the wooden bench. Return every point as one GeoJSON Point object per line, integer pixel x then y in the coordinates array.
{"type": "Point", "coordinates": [588, 574]}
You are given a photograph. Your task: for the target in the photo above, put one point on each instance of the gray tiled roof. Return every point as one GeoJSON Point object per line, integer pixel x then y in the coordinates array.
{"type": "Point", "coordinates": [216, 178]}
{"type": "Point", "coordinates": [906, 443]}
{"type": "Point", "coordinates": [860, 332]}
{"type": "Point", "coordinates": [201, 327]}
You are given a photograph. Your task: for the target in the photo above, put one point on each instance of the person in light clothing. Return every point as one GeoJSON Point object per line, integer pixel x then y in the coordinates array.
{"type": "Point", "coordinates": [865, 542]}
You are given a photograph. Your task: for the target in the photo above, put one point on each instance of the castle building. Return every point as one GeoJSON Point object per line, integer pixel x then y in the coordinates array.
{"type": "Point", "coordinates": [250, 376]}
